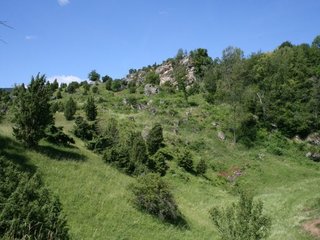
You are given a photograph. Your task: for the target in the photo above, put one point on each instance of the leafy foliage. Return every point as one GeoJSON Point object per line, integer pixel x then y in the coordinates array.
{"type": "Point", "coordinates": [201, 167]}
{"type": "Point", "coordinates": [154, 139]}
{"type": "Point", "coordinates": [242, 220]}
{"type": "Point", "coordinates": [70, 109]}
{"type": "Point", "coordinates": [94, 76]}
{"type": "Point", "coordinates": [152, 194]}
{"type": "Point", "coordinates": [152, 78]}
{"type": "Point", "coordinates": [83, 130]}
{"type": "Point", "coordinates": [32, 111]}
{"type": "Point", "coordinates": [91, 109]}
{"type": "Point", "coordinates": [56, 135]}
{"type": "Point", "coordinates": [28, 210]}
{"type": "Point", "coordinates": [157, 163]}
{"type": "Point", "coordinates": [185, 160]}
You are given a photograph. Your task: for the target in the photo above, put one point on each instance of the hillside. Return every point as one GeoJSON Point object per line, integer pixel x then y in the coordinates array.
{"type": "Point", "coordinates": [269, 162]}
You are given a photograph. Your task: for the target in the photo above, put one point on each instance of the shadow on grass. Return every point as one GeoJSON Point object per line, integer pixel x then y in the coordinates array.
{"type": "Point", "coordinates": [15, 152]}
{"type": "Point", "coordinates": [60, 154]}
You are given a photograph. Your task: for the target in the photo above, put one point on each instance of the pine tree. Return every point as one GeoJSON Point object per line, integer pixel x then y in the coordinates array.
{"type": "Point", "coordinates": [201, 167]}
{"type": "Point", "coordinates": [185, 161]}
{"type": "Point", "coordinates": [70, 109]}
{"type": "Point", "coordinates": [91, 109]}
{"type": "Point", "coordinates": [154, 139]}
{"type": "Point", "coordinates": [32, 111]}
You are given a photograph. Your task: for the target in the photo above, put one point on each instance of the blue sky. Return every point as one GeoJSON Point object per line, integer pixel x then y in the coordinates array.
{"type": "Point", "coordinates": [69, 38]}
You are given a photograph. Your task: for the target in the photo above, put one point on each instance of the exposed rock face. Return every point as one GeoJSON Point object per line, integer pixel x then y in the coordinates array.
{"type": "Point", "coordinates": [165, 71]}
{"type": "Point", "coordinates": [150, 89]}
{"type": "Point", "coordinates": [314, 139]}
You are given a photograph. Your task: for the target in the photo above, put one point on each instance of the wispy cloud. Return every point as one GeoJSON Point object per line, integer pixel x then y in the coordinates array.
{"type": "Point", "coordinates": [30, 37]}
{"type": "Point", "coordinates": [64, 79]}
{"type": "Point", "coordinates": [63, 2]}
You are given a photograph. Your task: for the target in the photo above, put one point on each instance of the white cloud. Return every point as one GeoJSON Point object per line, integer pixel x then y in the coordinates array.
{"type": "Point", "coordinates": [64, 79]}
{"type": "Point", "coordinates": [30, 37]}
{"type": "Point", "coordinates": [63, 2]}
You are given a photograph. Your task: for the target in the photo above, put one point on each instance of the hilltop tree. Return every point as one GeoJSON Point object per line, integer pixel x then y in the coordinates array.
{"type": "Point", "coordinates": [91, 109]}
{"type": "Point", "coordinates": [180, 75]}
{"type": "Point", "coordinates": [316, 42]}
{"type": "Point", "coordinates": [94, 76]}
{"type": "Point", "coordinates": [32, 111]}
{"type": "Point", "coordinates": [106, 78]}
{"type": "Point", "coordinates": [54, 85]}
{"type": "Point", "coordinates": [154, 139]}
{"type": "Point", "coordinates": [70, 109]}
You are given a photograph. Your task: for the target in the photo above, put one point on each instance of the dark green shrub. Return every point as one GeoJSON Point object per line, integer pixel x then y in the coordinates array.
{"type": "Point", "coordinates": [57, 136]}
{"type": "Point", "coordinates": [153, 195]}
{"type": "Point", "coordinates": [28, 210]}
{"type": "Point", "coordinates": [95, 89]}
{"type": "Point", "coordinates": [185, 161]}
{"type": "Point", "coordinates": [70, 109]}
{"type": "Point", "coordinates": [242, 220]}
{"type": "Point", "coordinates": [132, 87]}
{"type": "Point", "coordinates": [72, 87]}
{"type": "Point", "coordinates": [154, 139]}
{"type": "Point", "coordinates": [91, 109]}
{"type": "Point", "coordinates": [83, 130]}
{"type": "Point", "coordinates": [158, 164]}
{"type": "Point", "coordinates": [201, 167]}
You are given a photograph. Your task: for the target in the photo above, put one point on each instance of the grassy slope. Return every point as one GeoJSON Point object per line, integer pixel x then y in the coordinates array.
{"type": "Point", "coordinates": [96, 197]}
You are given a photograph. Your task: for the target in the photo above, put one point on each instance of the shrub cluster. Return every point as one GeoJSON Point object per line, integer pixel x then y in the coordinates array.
{"type": "Point", "coordinates": [28, 210]}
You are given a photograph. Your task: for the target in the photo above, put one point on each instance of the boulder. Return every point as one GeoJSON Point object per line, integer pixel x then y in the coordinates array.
{"type": "Point", "coordinates": [313, 156]}
{"type": "Point", "coordinates": [150, 89]}
{"type": "Point", "coordinates": [221, 135]}
{"type": "Point", "coordinates": [314, 139]}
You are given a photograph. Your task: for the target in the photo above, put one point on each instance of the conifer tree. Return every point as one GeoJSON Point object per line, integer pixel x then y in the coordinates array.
{"type": "Point", "coordinates": [91, 109]}
{"type": "Point", "coordinates": [154, 139]}
{"type": "Point", "coordinates": [32, 111]}
{"type": "Point", "coordinates": [70, 109]}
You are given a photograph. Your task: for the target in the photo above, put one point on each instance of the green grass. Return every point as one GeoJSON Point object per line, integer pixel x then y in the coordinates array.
{"type": "Point", "coordinates": [96, 197]}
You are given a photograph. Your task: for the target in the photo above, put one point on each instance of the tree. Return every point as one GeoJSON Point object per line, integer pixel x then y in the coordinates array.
{"type": "Point", "coordinates": [232, 67]}
{"type": "Point", "coordinates": [32, 111]}
{"type": "Point", "coordinates": [201, 167]}
{"type": "Point", "coordinates": [94, 76]}
{"type": "Point", "coordinates": [70, 109]}
{"type": "Point", "coordinates": [316, 42]}
{"type": "Point", "coordinates": [91, 109]}
{"type": "Point", "coordinates": [106, 78]}
{"type": "Point", "coordinates": [210, 80]}
{"type": "Point", "coordinates": [201, 61]}
{"type": "Point", "coordinates": [242, 220]}
{"type": "Point", "coordinates": [180, 75]}
{"type": "Point", "coordinates": [109, 84]}
{"type": "Point", "coordinates": [153, 195]}
{"type": "Point", "coordinates": [54, 85]}
{"type": "Point", "coordinates": [185, 161]}
{"type": "Point", "coordinates": [154, 139]}
{"type": "Point", "coordinates": [137, 152]}
{"type": "Point", "coordinates": [72, 87]}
